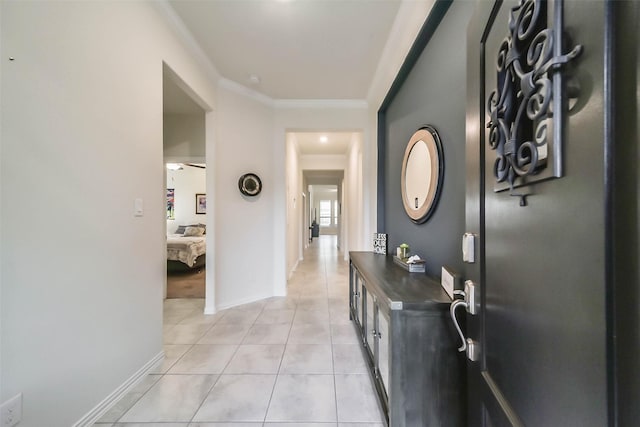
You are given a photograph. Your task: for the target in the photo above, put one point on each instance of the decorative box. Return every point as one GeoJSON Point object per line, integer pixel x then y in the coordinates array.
{"type": "Point", "coordinates": [380, 243]}
{"type": "Point", "coordinates": [414, 267]}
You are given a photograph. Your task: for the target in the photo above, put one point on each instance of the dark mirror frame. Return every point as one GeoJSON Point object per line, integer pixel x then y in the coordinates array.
{"type": "Point", "coordinates": [430, 137]}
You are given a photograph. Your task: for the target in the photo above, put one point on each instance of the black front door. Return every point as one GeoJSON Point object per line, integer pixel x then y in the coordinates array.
{"type": "Point", "coordinates": [539, 266]}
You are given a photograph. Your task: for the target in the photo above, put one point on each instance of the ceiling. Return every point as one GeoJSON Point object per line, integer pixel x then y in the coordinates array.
{"type": "Point", "coordinates": [294, 49]}
{"type": "Point", "coordinates": [310, 143]}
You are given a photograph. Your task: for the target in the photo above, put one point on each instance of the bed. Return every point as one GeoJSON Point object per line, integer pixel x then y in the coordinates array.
{"type": "Point", "coordinates": [186, 249]}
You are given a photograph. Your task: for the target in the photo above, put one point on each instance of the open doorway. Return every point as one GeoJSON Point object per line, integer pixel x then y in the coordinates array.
{"type": "Point", "coordinates": [331, 163]}
{"type": "Point", "coordinates": [184, 149]}
{"type": "Point", "coordinates": [186, 230]}
{"type": "Point", "coordinates": [325, 207]}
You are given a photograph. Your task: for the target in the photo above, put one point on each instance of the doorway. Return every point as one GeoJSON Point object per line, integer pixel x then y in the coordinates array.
{"type": "Point", "coordinates": [331, 162]}
{"type": "Point", "coordinates": [325, 211]}
{"type": "Point", "coordinates": [186, 230]}
{"type": "Point", "coordinates": [184, 153]}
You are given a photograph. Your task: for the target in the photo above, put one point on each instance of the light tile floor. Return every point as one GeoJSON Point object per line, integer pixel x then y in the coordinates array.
{"type": "Point", "coordinates": [282, 362]}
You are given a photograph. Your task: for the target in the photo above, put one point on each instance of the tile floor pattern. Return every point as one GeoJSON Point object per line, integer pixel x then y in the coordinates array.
{"type": "Point", "coordinates": [293, 361]}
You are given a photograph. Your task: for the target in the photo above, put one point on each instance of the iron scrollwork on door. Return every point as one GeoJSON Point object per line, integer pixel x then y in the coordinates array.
{"type": "Point", "coordinates": [526, 108]}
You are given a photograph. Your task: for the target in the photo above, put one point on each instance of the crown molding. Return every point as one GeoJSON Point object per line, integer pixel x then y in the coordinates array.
{"type": "Point", "coordinates": [292, 103]}
{"type": "Point", "coordinates": [359, 104]}
{"type": "Point", "coordinates": [243, 90]}
{"type": "Point", "coordinates": [186, 37]}
{"type": "Point", "coordinates": [406, 26]}
{"type": "Point", "coordinates": [404, 31]}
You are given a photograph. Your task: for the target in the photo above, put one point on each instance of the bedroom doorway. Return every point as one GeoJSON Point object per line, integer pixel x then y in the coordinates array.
{"type": "Point", "coordinates": [184, 153]}
{"type": "Point", "coordinates": [186, 230]}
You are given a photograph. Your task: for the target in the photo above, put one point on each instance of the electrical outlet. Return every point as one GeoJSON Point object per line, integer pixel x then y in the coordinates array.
{"type": "Point", "coordinates": [11, 411]}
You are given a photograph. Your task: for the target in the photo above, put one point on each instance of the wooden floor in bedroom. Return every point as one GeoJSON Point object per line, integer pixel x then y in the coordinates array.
{"type": "Point", "coordinates": [189, 284]}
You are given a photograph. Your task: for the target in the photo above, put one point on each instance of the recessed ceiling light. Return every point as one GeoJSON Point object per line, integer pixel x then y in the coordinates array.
{"type": "Point", "coordinates": [324, 139]}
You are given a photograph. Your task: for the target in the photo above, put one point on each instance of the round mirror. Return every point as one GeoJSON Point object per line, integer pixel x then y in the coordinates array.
{"type": "Point", "coordinates": [422, 171]}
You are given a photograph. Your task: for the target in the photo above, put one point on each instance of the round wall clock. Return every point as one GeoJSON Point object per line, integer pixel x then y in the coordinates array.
{"type": "Point", "coordinates": [250, 184]}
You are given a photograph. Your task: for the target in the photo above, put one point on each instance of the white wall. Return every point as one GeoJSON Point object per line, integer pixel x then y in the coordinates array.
{"type": "Point", "coordinates": [81, 139]}
{"type": "Point", "coordinates": [186, 182]}
{"type": "Point", "coordinates": [323, 162]}
{"type": "Point", "coordinates": [184, 136]}
{"type": "Point", "coordinates": [245, 122]}
{"type": "Point", "coordinates": [244, 225]}
{"type": "Point", "coordinates": [295, 204]}
{"type": "Point", "coordinates": [1, 204]}
{"type": "Point", "coordinates": [354, 207]}
{"type": "Point", "coordinates": [306, 219]}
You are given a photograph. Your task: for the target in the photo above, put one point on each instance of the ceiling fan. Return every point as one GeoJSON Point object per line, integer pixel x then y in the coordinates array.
{"type": "Point", "coordinates": [179, 166]}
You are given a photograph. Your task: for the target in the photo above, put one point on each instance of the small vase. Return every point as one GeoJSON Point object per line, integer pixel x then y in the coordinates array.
{"type": "Point", "coordinates": [404, 253]}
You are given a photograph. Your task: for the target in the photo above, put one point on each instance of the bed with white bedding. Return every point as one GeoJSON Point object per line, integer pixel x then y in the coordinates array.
{"type": "Point", "coordinates": [185, 249]}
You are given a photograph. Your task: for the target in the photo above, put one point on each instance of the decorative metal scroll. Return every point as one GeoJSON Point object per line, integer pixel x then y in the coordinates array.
{"type": "Point", "coordinates": [526, 107]}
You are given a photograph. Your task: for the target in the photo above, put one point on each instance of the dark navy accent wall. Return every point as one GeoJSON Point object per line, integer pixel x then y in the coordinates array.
{"type": "Point", "coordinates": [433, 93]}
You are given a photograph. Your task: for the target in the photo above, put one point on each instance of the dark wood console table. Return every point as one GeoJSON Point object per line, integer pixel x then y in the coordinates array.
{"type": "Point", "coordinates": [409, 342]}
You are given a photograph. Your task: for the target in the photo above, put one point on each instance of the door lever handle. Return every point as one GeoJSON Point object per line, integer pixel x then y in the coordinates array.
{"type": "Point", "coordinates": [458, 303]}
{"type": "Point", "coordinates": [470, 303]}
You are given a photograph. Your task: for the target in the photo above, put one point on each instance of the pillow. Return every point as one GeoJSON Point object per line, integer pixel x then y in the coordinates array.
{"type": "Point", "coordinates": [181, 229]}
{"type": "Point", "coordinates": [193, 231]}
{"type": "Point", "coordinates": [202, 226]}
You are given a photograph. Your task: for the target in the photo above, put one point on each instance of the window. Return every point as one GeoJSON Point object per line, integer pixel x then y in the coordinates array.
{"type": "Point", "coordinates": [325, 213]}
{"type": "Point", "coordinates": [328, 213]}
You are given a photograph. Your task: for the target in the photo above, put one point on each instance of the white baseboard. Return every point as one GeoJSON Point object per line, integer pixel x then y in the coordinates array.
{"type": "Point", "coordinates": [295, 267]}
{"type": "Point", "coordinates": [242, 301]}
{"type": "Point", "coordinates": [94, 415]}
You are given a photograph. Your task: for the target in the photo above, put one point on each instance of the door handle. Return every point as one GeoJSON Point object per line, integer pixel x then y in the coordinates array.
{"type": "Point", "coordinates": [458, 303]}
{"type": "Point", "coordinates": [471, 297]}
{"type": "Point", "coordinates": [470, 303]}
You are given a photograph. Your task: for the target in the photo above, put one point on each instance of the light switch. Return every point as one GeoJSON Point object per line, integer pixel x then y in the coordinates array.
{"type": "Point", "coordinates": [138, 207]}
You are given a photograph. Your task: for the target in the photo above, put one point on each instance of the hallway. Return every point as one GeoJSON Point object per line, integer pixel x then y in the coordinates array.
{"type": "Point", "coordinates": [291, 361]}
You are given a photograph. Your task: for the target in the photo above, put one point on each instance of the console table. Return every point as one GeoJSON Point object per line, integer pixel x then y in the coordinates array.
{"type": "Point", "coordinates": [409, 342]}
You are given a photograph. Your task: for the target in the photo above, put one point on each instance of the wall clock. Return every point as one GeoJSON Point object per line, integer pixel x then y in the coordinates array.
{"type": "Point", "coordinates": [250, 184]}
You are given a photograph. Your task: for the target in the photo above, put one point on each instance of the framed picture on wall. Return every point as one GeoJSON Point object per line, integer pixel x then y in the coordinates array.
{"type": "Point", "coordinates": [201, 204]}
{"type": "Point", "coordinates": [171, 202]}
